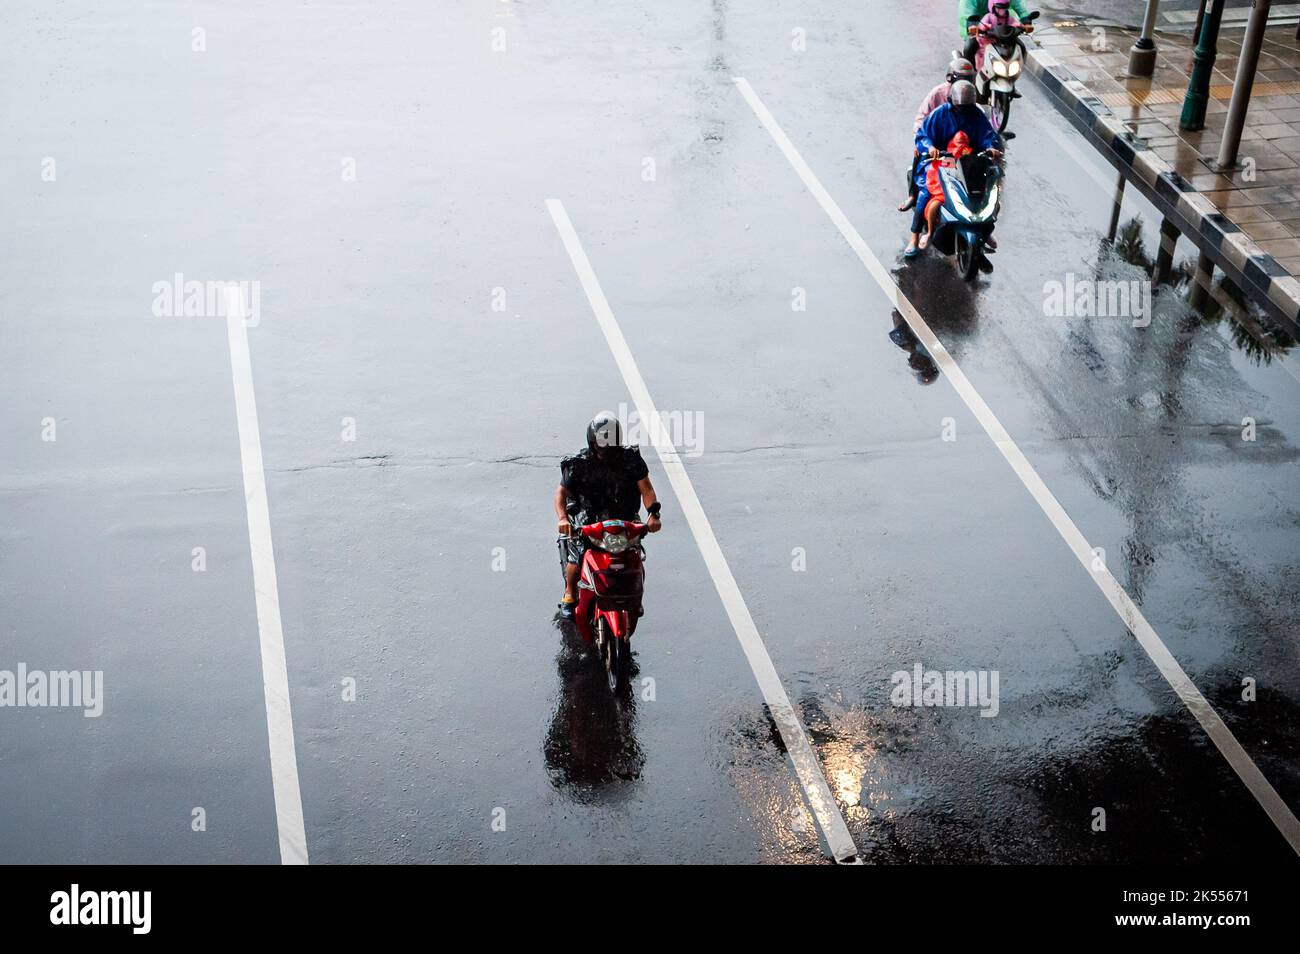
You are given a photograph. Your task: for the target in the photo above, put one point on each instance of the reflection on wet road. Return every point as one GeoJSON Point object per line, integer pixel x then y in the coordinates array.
{"type": "Point", "coordinates": [591, 747]}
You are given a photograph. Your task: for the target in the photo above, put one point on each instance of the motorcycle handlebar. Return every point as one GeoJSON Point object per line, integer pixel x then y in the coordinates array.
{"type": "Point", "coordinates": [948, 155]}
{"type": "Point", "coordinates": [1026, 24]}
{"type": "Point", "coordinates": [635, 528]}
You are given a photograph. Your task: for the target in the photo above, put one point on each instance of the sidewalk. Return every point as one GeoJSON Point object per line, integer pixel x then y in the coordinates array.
{"type": "Point", "coordinates": [1249, 219]}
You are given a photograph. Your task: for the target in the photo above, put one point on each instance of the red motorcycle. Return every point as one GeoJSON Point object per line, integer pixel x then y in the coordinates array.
{"type": "Point", "coordinates": [610, 586]}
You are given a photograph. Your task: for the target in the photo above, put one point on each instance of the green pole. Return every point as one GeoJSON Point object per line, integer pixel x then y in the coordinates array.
{"type": "Point", "coordinates": [1198, 86]}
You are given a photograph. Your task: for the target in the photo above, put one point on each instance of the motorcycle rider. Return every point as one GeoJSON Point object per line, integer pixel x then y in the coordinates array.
{"type": "Point", "coordinates": [957, 69]}
{"type": "Point", "coordinates": [607, 481]}
{"type": "Point", "coordinates": [999, 15]}
{"type": "Point", "coordinates": [959, 115]}
{"type": "Point", "coordinates": [968, 10]}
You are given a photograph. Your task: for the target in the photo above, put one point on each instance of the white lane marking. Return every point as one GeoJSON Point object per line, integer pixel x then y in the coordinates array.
{"type": "Point", "coordinates": [816, 791]}
{"type": "Point", "coordinates": [275, 672]}
{"type": "Point", "coordinates": [1132, 617]}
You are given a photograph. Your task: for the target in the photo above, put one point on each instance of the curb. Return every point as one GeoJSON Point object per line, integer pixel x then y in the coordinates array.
{"type": "Point", "coordinates": [1250, 267]}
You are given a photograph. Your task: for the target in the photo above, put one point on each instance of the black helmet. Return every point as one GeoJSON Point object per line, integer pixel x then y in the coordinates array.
{"type": "Point", "coordinates": [604, 432]}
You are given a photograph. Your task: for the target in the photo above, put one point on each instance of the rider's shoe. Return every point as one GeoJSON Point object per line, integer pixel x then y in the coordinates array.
{"type": "Point", "coordinates": [567, 607]}
{"type": "Point", "coordinates": [990, 243]}
{"type": "Point", "coordinates": [985, 266]}
{"type": "Point", "coordinates": [908, 204]}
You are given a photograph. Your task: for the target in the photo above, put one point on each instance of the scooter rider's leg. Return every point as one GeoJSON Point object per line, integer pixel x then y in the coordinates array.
{"type": "Point", "coordinates": [571, 570]}
{"type": "Point", "coordinates": [930, 213]}
{"type": "Point", "coordinates": [910, 201]}
{"type": "Point", "coordinates": [918, 222]}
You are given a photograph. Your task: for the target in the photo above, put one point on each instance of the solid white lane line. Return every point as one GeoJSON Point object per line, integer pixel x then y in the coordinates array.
{"type": "Point", "coordinates": [808, 770]}
{"type": "Point", "coordinates": [275, 673]}
{"type": "Point", "coordinates": [1132, 617]}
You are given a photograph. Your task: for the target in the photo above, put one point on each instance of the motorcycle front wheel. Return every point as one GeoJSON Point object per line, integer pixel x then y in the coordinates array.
{"type": "Point", "coordinates": [1000, 112]}
{"type": "Point", "coordinates": [968, 256]}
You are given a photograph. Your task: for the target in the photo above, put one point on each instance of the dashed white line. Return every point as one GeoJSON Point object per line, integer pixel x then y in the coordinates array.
{"type": "Point", "coordinates": [808, 770]}
{"type": "Point", "coordinates": [1132, 617]}
{"type": "Point", "coordinates": [275, 673]}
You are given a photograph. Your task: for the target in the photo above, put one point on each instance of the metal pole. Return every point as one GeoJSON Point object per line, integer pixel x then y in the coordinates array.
{"type": "Point", "coordinates": [1241, 87]}
{"type": "Point", "coordinates": [1200, 18]}
{"type": "Point", "coordinates": [1119, 204]}
{"type": "Point", "coordinates": [1165, 253]}
{"type": "Point", "coordinates": [1142, 56]}
{"type": "Point", "coordinates": [1198, 87]}
{"type": "Point", "coordinates": [1202, 282]}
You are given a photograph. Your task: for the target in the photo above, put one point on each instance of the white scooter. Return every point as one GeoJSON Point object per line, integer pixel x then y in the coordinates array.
{"type": "Point", "coordinates": [995, 81]}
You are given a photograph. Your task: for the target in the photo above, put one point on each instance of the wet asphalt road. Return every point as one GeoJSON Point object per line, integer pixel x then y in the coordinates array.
{"type": "Point", "coordinates": [376, 306]}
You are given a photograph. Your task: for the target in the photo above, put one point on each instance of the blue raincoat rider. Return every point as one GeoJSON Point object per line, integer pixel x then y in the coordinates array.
{"type": "Point", "coordinates": [959, 114]}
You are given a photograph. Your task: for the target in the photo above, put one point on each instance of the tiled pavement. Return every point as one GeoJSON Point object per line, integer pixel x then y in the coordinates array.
{"type": "Point", "coordinates": [1263, 201]}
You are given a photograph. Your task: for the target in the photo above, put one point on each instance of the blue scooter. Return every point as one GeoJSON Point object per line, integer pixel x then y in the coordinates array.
{"type": "Point", "coordinates": [969, 211]}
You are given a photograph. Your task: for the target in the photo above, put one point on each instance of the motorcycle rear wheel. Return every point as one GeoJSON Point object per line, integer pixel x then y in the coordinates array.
{"type": "Point", "coordinates": [616, 657]}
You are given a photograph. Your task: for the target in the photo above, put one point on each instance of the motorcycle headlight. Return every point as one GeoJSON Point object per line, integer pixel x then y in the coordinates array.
{"type": "Point", "coordinates": [999, 68]}
{"type": "Point", "coordinates": [990, 206]}
{"type": "Point", "coordinates": [1013, 68]}
{"type": "Point", "coordinates": [614, 542]}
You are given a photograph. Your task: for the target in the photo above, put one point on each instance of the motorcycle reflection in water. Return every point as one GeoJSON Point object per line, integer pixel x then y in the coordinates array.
{"type": "Point", "coordinates": [918, 359]}
{"type": "Point", "coordinates": [591, 746]}
{"type": "Point", "coordinates": [950, 309]}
